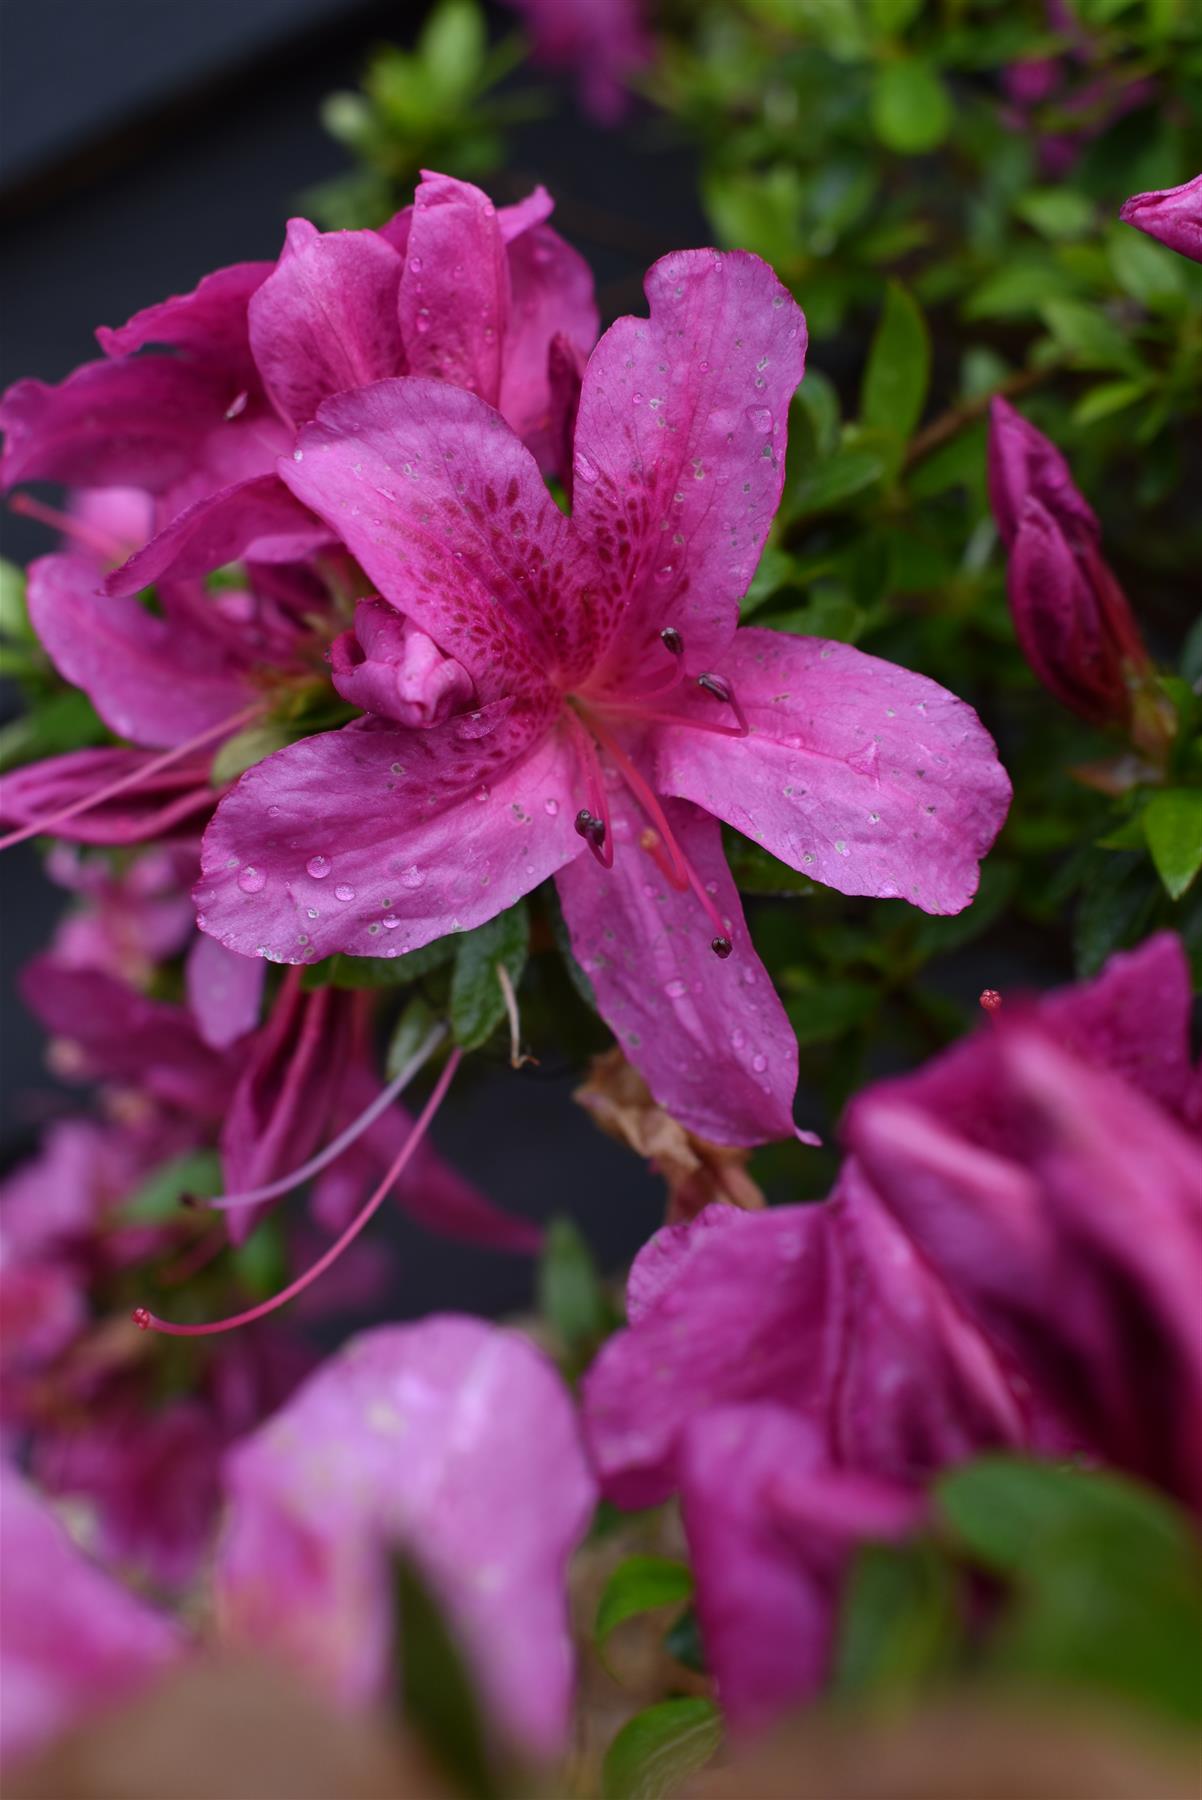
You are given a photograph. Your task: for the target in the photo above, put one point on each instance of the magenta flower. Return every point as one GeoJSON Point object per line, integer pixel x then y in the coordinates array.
{"type": "Point", "coordinates": [451, 288]}
{"type": "Point", "coordinates": [453, 1441]}
{"type": "Point", "coordinates": [617, 713]}
{"type": "Point", "coordinates": [602, 42]}
{"type": "Point", "coordinates": [1072, 619]}
{"type": "Point", "coordinates": [72, 1641]}
{"type": "Point", "coordinates": [1174, 215]}
{"type": "Point", "coordinates": [1010, 1257]}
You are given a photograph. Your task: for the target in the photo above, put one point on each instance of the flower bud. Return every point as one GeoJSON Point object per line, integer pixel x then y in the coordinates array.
{"type": "Point", "coordinates": [387, 666]}
{"type": "Point", "coordinates": [1173, 215]}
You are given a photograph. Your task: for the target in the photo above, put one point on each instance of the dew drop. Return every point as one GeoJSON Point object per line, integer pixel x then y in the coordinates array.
{"type": "Point", "coordinates": [586, 469]}
{"type": "Point", "coordinates": [759, 418]}
{"type": "Point", "coordinates": [759, 1064]}
{"type": "Point", "coordinates": [298, 456]}
{"type": "Point", "coordinates": [551, 807]}
{"type": "Point", "coordinates": [482, 793]}
{"type": "Point", "coordinates": [252, 880]}
{"type": "Point", "coordinates": [676, 989]}
{"type": "Point", "coordinates": [412, 877]}
{"type": "Point", "coordinates": [391, 922]}
{"type": "Point", "coordinates": [318, 867]}
{"type": "Point", "coordinates": [344, 891]}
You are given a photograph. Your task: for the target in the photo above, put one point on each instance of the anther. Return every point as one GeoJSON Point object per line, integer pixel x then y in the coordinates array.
{"type": "Point", "coordinates": [990, 1001]}
{"type": "Point", "coordinates": [721, 946]}
{"type": "Point", "coordinates": [585, 822]}
{"type": "Point", "coordinates": [714, 684]}
{"type": "Point", "coordinates": [672, 640]}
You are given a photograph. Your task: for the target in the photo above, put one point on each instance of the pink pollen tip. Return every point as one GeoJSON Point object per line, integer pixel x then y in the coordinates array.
{"type": "Point", "coordinates": [141, 1317]}
{"type": "Point", "coordinates": [990, 1000]}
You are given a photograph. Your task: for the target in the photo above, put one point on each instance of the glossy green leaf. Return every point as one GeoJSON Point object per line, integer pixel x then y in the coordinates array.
{"type": "Point", "coordinates": [570, 1293]}
{"type": "Point", "coordinates": [1172, 823]}
{"type": "Point", "coordinates": [911, 108]}
{"type": "Point", "coordinates": [245, 749]}
{"type": "Point", "coordinates": [381, 971]}
{"type": "Point", "coordinates": [898, 1626]}
{"type": "Point", "coordinates": [639, 1585]}
{"type": "Point", "coordinates": [1057, 212]}
{"type": "Point", "coordinates": [1089, 337]}
{"type": "Point", "coordinates": [409, 1033]}
{"type": "Point", "coordinates": [655, 1752]}
{"type": "Point", "coordinates": [899, 367]}
{"type": "Point", "coordinates": [436, 1695]}
{"type": "Point", "coordinates": [477, 997]}
{"type": "Point", "coordinates": [196, 1172]}
{"type": "Point", "coordinates": [842, 476]}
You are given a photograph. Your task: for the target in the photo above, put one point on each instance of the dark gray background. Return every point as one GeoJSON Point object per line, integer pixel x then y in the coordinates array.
{"type": "Point", "coordinates": [143, 142]}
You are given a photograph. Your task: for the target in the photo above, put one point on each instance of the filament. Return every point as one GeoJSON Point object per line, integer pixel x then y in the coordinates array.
{"type": "Point", "coordinates": [147, 1321]}
{"type": "Point", "coordinates": [134, 779]}
{"type": "Point", "coordinates": [110, 548]}
{"type": "Point", "coordinates": [272, 1190]}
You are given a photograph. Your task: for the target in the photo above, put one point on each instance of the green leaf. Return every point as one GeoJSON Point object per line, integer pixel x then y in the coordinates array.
{"type": "Point", "coordinates": [1146, 270]}
{"type": "Point", "coordinates": [1008, 1510]}
{"type": "Point", "coordinates": [1117, 901]}
{"type": "Point", "coordinates": [262, 1262]}
{"type": "Point", "coordinates": [437, 1697]}
{"type": "Point", "coordinates": [639, 1585]}
{"type": "Point", "coordinates": [66, 721]}
{"type": "Point", "coordinates": [570, 1294]}
{"type": "Point", "coordinates": [452, 47]}
{"type": "Point", "coordinates": [409, 1033]}
{"type": "Point", "coordinates": [380, 971]}
{"type": "Point", "coordinates": [477, 998]}
{"type": "Point", "coordinates": [817, 399]}
{"type": "Point", "coordinates": [1173, 826]}
{"type": "Point", "coordinates": [14, 616]}
{"type": "Point", "coordinates": [848, 472]}
{"type": "Point", "coordinates": [1057, 212]}
{"type": "Point", "coordinates": [891, 17]}
{"type": "Point", "coordinates": [898, 1624]}
{"type": "Point", "coordinates": [657, 1750]}
{"type": "Point", "coordinates": [1018, 289]}
{"type": "Point", "coordinates": [158, 1198]}
{"type": "Point", "coordinates": [1089, 337]}
{"type": "Point", "coordinates": [1109, 397]}
{"type": "Point", "coordinates": [899, 367]}
{"type": "Point", "coordinates": [830, 1009]}
{"type": "Point", "coordinates": [245, 749]}
{"type": "Point", "coordinates": [911, 109]}
{"type": "Point", "coordinates": [775, 569]}
{"type": "Point", "coordinates": [683, 1641]}
{"type": "Point", "coordinates": [756, 871]}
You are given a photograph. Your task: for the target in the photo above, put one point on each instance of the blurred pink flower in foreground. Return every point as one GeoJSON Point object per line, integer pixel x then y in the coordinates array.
{"type": "Point", "coordinates": [454, 1442]}
{"type": "Point", "coordinates": [1011, 1257]}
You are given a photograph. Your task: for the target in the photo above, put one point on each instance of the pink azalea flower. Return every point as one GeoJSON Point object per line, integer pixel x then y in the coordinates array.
{"type": "Point", "coordinates": [257, 347]}
{"type": "Point", "coordinates": [617, 712]}
{"type": "Point", "coordinates": [452, 1441]}
{"type": "Point", "coordinates": [1071, 617]}
{"type": "Point", "coordinates": [1174, 215]}
{"type": "Point", "coordinates": [1010, 1257]}
{"type": "Point", "coordinates": [602, 42]}
{"type": "Point", "coordinates": [72, 1641]}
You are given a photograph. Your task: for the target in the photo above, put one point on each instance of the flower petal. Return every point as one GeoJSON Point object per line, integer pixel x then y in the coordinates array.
{"type": "Point", "coordinates": [551, 296]}
{"type": "Point", "coordinates": [454, 292]}
{"type": "Point", "coordinates": [225, 991]}
{"type": "Point", "coordinates": [256, 519]}
{"type": "Point", "coordinates": [386, 666]}
{"type": "Point", "coordinates": [454, 1441]}
{"type": "Point", "coordinates": [1024, 464]}
{"type": "Point", "coordinates": [680, 451]}
{"type": "Point", "coordinates": [708, 1034]}
{"type": "Point", "coordinates": [209, 324]}
{"type": "Point", "coordinates": [447, 512]}
{"type": "Point", "coordinates": [74, 1641]}
{"type": "Point", "coordinates": [1173, 215]}
{"type": "Point", "coordinates": [857, 773]}
{"type": "Point", "coordinates": [158, 681]}
{"type": "Point", "coordinates": [438, 830]}
{"type": "Point", "coordinates": [164, 803]}
{"type": "Point", "coordinates": [132, 423]}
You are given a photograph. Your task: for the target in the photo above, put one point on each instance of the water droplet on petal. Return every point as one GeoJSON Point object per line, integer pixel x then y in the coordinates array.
{"type": "Point", "coordinates": [412, 877]}
{"type": "Point", "coordinates": [759, 418]}
{"type": "Point", "coordinates": [551, 807]}
{"type": "Point", "coordinates": [759, 1064]}
{"type": "Point", "coordinates": [586, 469]}
{"type": "Point", "coordinates": [344, 891]}
{"type": "Point", "coordinates": [318, 867]}
{"type": "Point", "coordinates": [675, 990]}
{"type": "Point", "coordinates": [252, 880]}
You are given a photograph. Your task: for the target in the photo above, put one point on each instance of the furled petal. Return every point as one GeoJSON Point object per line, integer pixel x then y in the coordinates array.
{"type": "Point", "coordinates": [209, 325]}
{"type": "Point", "coordinates": [256, 519]}
{"type": "Point", "coordinates": [394, 831]}
{"type": "Point", "coordinates": [1075, 1242]}
{"type": "Point", "coordinates": [551, 296]}
{"type": "Point", "coordinates": [1134, 1018]}
{"type": "Point", "coordinates": [857, 773]}
{"type": "Point", "coordinates": [225, 991]}
{"type": "Point", "coordinates": [431, 1190]}
{"type": "Point", "coordinates": [136, 423]}
{"type": "Point", "coordinates": [72, 1641]}
{"type": "Point", "coordinates": [168, 801]}
{"type": "Point", "coordinates": [447, 512]}
{"type": "Point", "coordinates": [453, 1441]}
{"type": "Point", "coordinates": [386, 666]}
{"type": "Point", "coordinates": [454, 292]}
{"type": "Point", "coordinates": [770, 1526]}
{"type": "Point", "coordinates": [325, 319]}
{"type": "Point", "coordinates": [1024, 464]}
{"type": "Point", "coordinates": [1174, 215]}
{"type": "Point", "coordinates": [825, 1309]}
{"type": "Point", "coordinates": [523, 215]}
{"type": "Point", "coordinates": [708, 1033]}
{"type": "Point", "coordinates": [680, 452]}
{"type": "Point", "coordinates": [280, 1109]}
{"type": "Point", "coordinates": [155, 680]}
{"type": "Point", "coordinates": [122, 1035]}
